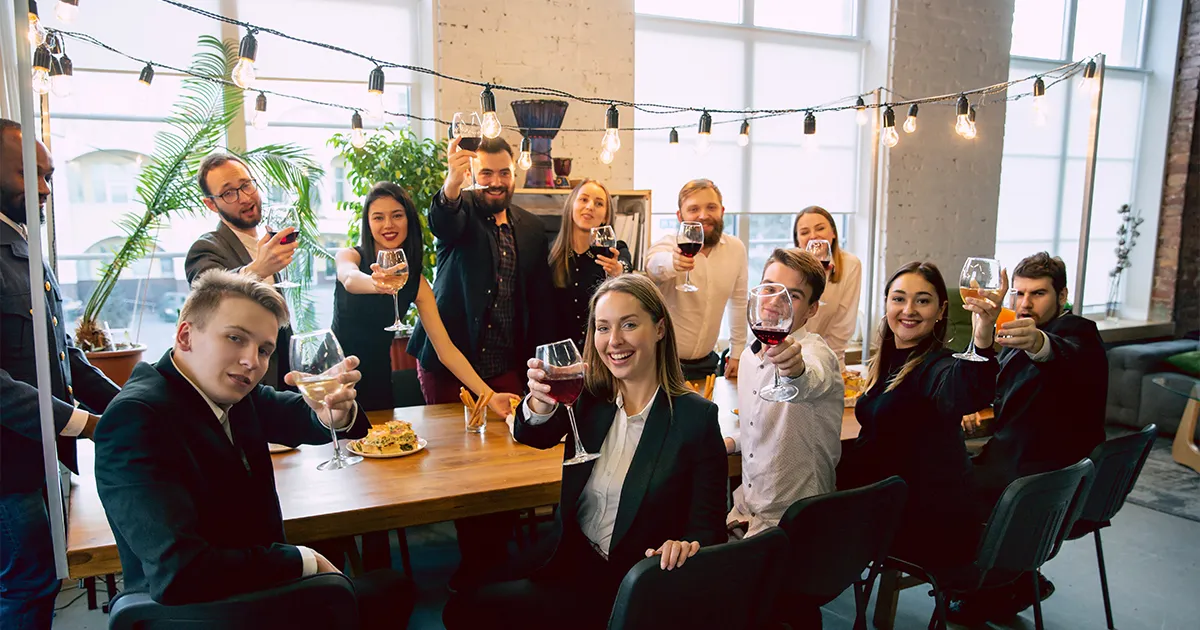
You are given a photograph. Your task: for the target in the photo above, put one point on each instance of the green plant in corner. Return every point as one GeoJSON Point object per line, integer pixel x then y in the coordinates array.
{"type": "Point", "coordinates": [166, 185]}
{"type": "Point", "coordinates": [395, 155]}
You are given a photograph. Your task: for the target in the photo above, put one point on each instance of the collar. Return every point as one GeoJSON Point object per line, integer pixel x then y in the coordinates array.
{"type": "Point", "coordinates": [639, 417]}
{"type": "Point", "coordinates": [221, 411]}
{"type": "Point", "coordinates": [19, 228]}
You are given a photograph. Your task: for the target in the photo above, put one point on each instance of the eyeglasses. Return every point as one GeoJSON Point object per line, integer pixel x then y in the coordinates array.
{"type": "Point", "coordinates": [235, 194]}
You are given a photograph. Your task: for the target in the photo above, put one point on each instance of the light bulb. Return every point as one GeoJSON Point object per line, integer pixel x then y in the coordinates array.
{"type": "Point", "coordinates": [243, 73]}
{"type": "Point", "coordinates": [1087, 81]}
{"type": "Point", "coordinates": [490, 126]}
{"type": "Point", "coordinates": [811, 144]}
{"type": "Point", "coordinates": [743, 139]}
{"type": "Point", "coordinates": [962, 125]}
{"type": "Point", "coordinates": [60, 76]}
{"type": "Point", "coordinates": [910, 123]}
{"type": "Point", "coordinates": [969, 133]}
{"type": "Point", "coordinates": [66, 11]}
{"type": "Point", "coordinates": [146, 77]}
{"type": "Point", "coordinates": [606, 156]}
{"type": "Point", "coordinates": [860, 107]}
{"type": "Point", "coordinates": [259, 118]}
{"type": "Point", "coordinates": [37, 32]}
{"type": "Point", "coordinates": [890, 137]}
{"type": "Point", "coordinates": [41, 81]}
{"type": "Point", "coordinates": [373, 105]}
{"type": "Point", "coordinates": [525, 162]}
{"type": "Point", "coordinates": [611, 141]}
{"type": "Point", "coordinates": [358, 138]}
{"type": "Point", "coordinates": [612, 121]}
{"type": "Point", "coordinates": [1039, 111]}
{"type": "Point", "coordinates": [673, 138]}
{"type": "Point", "coordinates": [703, 142]}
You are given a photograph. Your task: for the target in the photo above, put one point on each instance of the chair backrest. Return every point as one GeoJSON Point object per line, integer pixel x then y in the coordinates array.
{"type": "Point", "coordinates": [1027, 524]}
{"type": "Point", "coordinates": [727, 586]}
{"type": "Point", "coordinates": [1118, 463]}
{"type": "Point", "coordinates": [325, 600]}
{"type": "Point", "coordinates": [835, 536]}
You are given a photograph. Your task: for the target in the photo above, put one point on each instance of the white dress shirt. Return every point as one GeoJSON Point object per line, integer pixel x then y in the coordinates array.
{"type": "Point", "coordinates": [790, 450]}
{"type": "Point", "coordinates": [602, 494]}
{"type": "Point", "coordinates": [721, 275]}
{"type": "Point", "coordinates": [838, 316]}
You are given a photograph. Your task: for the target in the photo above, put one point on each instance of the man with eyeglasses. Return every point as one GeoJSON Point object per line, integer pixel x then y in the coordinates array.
{"type": "Point", "coordinates": [236, 245]}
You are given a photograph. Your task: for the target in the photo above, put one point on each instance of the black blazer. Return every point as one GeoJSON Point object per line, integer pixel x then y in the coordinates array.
{"type": "Point", "coordinates": [72, 378]}
{"type": "Point", "coordinates": [466, 278]}
{"type": "Point", "coordinates": [676, 485]}
{"type": "Point", "coordinates": [221, 249]}
{"type": "Point", "coordinates": [1048, 415]}
{"type": "Point", "coordinates": [191, 521]}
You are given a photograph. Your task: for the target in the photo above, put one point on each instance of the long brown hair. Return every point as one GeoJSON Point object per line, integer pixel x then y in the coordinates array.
{"type": "Point", "coordinates": [885, 341]}
{"type": "Point", "coordinates": [835, 247]}
{"type": "Point", "coordinates": [600, 381]}
{"type": "Point", "coordinates": [562, 251]}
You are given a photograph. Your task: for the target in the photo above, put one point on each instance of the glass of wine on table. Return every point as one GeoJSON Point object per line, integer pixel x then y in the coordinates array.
{"type": "Point", "coordinates": [980, 279]}
{"type": "Point", "coordinates": [565, 370]}
{"type": "Point", "coordinates": [603, 239]}
{"type": "Point", "coordinates": [275, 219]}
{"type": "Point", "coordinates": [394, 265]}
{"type": "Point", "coordinates": [318, 357]}
{"type": "Point", "coordinates": [690, 241]}
{"type": "Point", "coordinates": [769, 312]}
{"type": "Point", "coordinates": [469, 131]}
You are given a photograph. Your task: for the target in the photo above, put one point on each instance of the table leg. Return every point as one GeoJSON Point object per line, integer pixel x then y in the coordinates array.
{"type": "Point", "coordinates": [89, 584]}
{"type": "Point", "coordinates": [1184, 449]}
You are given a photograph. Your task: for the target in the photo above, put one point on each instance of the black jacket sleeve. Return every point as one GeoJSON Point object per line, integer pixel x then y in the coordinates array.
{"type": "Point", "coordinates": [962, 387]}
{"type": "Point", "coordinates": [19, 401]}
{"type": "Point", "coordinates": [710, 482]}
{"type": "Point", "coordinates": [545, 435]}
{"type": "Point", "coordinates": [92, 387]}
{"type": "Point", "coordinates": [448, 219]}
{"type": "Point", "coordinates": [288, 420]}
{"type": "Point", "coordinates": [205, 254]}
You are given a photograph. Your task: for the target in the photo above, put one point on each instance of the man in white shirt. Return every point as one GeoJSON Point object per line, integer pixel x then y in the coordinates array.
{"type": "Point", "coordinates": [790, 449]}
{"type": "Point", "coordinates": [719, 270]}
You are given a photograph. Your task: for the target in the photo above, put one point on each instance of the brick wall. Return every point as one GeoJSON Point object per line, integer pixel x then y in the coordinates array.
{"type": "Point", "coordinates": [582, 46]}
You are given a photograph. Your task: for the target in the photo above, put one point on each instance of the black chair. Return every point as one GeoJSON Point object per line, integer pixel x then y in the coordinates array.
{"type": "Point", "coordinates": [730, 587]}
{"type": "Point", "coordinates": [325, 600]}
{"type": "Point", "coordinates": [1026, 527]}
{"type": "Point", "coordinates": [1118, 463]}
{"type": "Point", "coordinates": [834, 538]}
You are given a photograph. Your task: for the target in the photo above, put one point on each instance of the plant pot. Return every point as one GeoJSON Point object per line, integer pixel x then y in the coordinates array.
{"type": "Point", "coordinates": [117, 364]}
{"type": "Point", "coordinates": [401, 359]}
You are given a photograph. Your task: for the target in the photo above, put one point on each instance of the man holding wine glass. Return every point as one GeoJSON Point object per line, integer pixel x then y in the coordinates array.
{"type": "Point", "coordinates": [713, 266]}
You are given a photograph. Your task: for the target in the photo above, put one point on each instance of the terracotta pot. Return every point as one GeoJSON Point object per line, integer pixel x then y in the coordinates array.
{"type": "Point", "coordinates": [117, 364]}
{"type": "Point", "coordinates": [401, 359]}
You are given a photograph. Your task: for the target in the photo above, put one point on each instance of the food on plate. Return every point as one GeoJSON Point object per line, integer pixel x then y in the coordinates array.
{"type": "Point", "coordinates": [394, 437]}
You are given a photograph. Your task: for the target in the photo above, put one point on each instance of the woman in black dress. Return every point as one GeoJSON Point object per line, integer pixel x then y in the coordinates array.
{"type": "Point", "coordinates": [362, 306]}
{"type": "Point", "coordinates": [911, 416]}
{"type": "Point", "coordinates": [576, 271]}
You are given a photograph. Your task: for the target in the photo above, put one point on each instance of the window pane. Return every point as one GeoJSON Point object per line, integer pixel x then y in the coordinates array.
{"type": "Point", "coordinates": [1038, 27]}
{"type": "Point", "coordinates": [1024, 133]}
{"type": "Point", "coordinates": [144, 29]}
{"type": "Point", "coordinates": [1120, 117]}
{"type": "Point", "coordinates": [1112, 27]}
{"type": "Point", "coordinates": [813, 76]}
{"type": "Point", "coordinates": [710, 10]}
{"type": "Point", "coordinates": [835, 17]}
{"type": "Point", "coordinates": [1028, 190]}
{"type": "Point", "coordinates": [787, 179]}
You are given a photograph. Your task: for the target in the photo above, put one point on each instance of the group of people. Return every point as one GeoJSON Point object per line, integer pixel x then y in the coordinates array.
{"type": "Point", "coordinates": [184, 443]}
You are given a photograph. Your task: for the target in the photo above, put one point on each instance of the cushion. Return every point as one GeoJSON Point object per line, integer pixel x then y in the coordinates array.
{"type": "Point", "coordinates": [1186, 362]}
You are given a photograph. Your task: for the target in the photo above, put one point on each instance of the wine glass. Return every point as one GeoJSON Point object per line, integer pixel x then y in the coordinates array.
{"type": "Point", "coordinates": [275, 219]}
{"type": "Point", "coordinates": [690, 240]}
{"type": "Point", "coordinates": [980, 279]}
{"type": "Point", "coordinates": [565, 370]}
{"type": "Point", "coordinates": [394, 264]}
{"type": "Point", "coordinates": [822, 251]}
{"type": "Point", "coordinates": [769, 312]}
{"type": "Point", "coordinates": [602, 240]}
{"type": "Point", "coordinates": [468, 129]}
{"type": "Point", "coordinates": [318, 357]}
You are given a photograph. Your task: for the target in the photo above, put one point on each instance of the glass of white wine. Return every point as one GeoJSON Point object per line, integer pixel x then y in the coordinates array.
{"type": "Point", "coordinates": [318, 357]}
{"type": "Point", "coordinates": [394, 265]}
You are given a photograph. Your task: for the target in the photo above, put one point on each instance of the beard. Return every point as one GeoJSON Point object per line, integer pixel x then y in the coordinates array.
{"type": "Point", "coordinates": [238, 222]}
{"type": "Point", "coordinates": [13, 207]}
{"type": "Point", "coordinates": [489, 205]}
{"type": "Point", "coordinates": [714, 237]}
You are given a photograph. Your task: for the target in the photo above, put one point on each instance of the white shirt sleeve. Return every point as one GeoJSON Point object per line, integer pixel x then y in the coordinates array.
{"type": "Point", "coordinates": [841, 325]}
{"type": "Point", "coordinates": [735, 311]}
{"type": "Point", "coordinates": [660, 264]}
{"type": "Point", "coordinates": [310, 561]}
{"type": "Point", "coordinates": [821, 373]}
{"type": "Point", "coordinates": [1046, 353]}
{"type": "Point", "coordinates": [76, 424]}
{"type": "Point", "coordinates": [537, 418]}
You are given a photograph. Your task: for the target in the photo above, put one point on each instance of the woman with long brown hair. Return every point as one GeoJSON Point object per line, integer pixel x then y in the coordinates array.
{"type": "Point", "coordinates": [657, 488]}
{"type": "Point", "coordinates": [838, 316]}
{"type": "Point", "coordinates": [576, 270]}
{"type": "Point", "coordinates": [911, 415]}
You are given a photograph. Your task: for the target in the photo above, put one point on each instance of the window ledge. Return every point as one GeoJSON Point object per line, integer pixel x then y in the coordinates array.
{"type": "Point", "coordinates": [1125, 330]}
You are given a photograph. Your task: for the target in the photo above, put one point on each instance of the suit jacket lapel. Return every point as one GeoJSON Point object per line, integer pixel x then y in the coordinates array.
{"type": "Point", "coordinates": [233, 243]}
{"type": "Point", "coordinates": [194, 404]}
{"type": "Point", "coordinates": [641, 469]}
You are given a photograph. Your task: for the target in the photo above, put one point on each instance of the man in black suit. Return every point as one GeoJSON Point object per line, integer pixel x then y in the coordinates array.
{"type": "Point", "coordinates": [182, 465]}
{"type": "Point", "coordinates": [28, 582]}
{"type": "Point", "coordinates": [1050, 402]}
{"type": "Point", "coordinates": [230, 191]}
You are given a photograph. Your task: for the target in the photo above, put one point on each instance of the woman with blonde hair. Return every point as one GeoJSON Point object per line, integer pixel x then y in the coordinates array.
{"type": "Point", "coordinates": [657, 488]}
{"type": "Point", "coordinates": [838, 316]}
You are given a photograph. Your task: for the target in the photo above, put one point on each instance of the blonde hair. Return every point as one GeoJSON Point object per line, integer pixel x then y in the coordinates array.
{"type": "Point", "coordinates": [600, 381]}
{"type": "Point", "coordinates": [695, 186]}
{"type": "Point", "coordinates": [885, 340]}
{"type": "Point", "coordinates": [216, 285]}
{"type": "Point", "coordinates": [561, 252]}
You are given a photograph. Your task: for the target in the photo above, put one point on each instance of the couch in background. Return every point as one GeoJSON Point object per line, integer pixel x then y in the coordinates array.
{"type": "Point", "coordinates": [1133, 400]}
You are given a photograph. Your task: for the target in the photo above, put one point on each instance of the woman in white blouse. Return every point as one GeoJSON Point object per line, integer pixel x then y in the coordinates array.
{"type": "Point", "coordinates": [658, 487]}
{"type": "Point", "coordinates": [838, 315]}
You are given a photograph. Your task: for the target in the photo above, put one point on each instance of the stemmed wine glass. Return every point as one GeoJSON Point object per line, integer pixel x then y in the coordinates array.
{"type": "Point", "coordinates": [690, 240]}
{"type": "Point", "coordinates": [468, 129]}
{"type": "Point", "coordinates": [769, 312]}
{"type": "Point", "coordinates": [822, 251]}
{"type": "Point", "coordinates": [275, 219]}
{"type": "Point", "coordinates": [565, 370]}
{"type": "Point", "coordinates": [980, 279]}
{"type": "Point", "coordinates": [602, 240]}
{"type": "Point", "coordinates": [394, 265]}
{"type": "Point", "coordinates": [318, 357]}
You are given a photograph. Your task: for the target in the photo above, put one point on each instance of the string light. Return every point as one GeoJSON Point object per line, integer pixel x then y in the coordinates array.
{"type": "Point", "coordinates": [259, 120]}
{"type": "Point", "coordinates": [61, 71]}
{"type": "Point", "coordinates": [374, 103]}
{"type": "Point", "coordinates": [964, 109]}
{"type": "Point", "coordinates": [41, 70]}
{"type": "Point", "coordinates": [606, 156]}
{"type": "Point", "coordinates": [243, 73]}
{"type": "Point", "coordinates": [744, 135]}
{"type": "Point", "coordinates": [67, 10]}
{"type": "Point", "coordinates": [970, 132]}
{"type": "Point", "coordinates": [526, 159]}
{"type": "Point", "coordinates": [490, 126]}
{"type": "Point", "coordinates": [810, 132]}
{"type": "Point", "coordinates": [673, 138]}
{"type": "Point", "coordinates": [146, 77]}
{"type": "Point", "coordinates": [37, 32]}
{"type": "Point", "coordinates": [705, 133]}
{"type": "Point", "coordinates": [358, 138]}
{"type": "Point", "coordinates": [1087, 81]}
{"type": "Point", "coordinates": [910, 123]}
{"type": "Point", "coordinates": [1039, 102]}
{"type": "Point", "coordinates": [889, 136]}
{"type": "Point", "coordinates": [860, 106]}
{"type": "Point", "coordinates": [612, 140]}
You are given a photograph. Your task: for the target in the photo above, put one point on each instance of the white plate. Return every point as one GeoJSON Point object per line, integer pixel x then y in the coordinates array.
{"type": "Point", "coordinates": [421, 443]}
{"type": "Point", "coordinates": [279, 448]}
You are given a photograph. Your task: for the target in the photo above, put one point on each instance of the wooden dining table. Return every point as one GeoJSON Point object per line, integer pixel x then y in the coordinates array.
{"type": "Point", "coordinates": [457, 475]}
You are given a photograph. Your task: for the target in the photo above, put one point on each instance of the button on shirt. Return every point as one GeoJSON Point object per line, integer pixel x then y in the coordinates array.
{"type": "Point", "coordinates": [721, 275]}
{"type": "Point", "coordinates": [790, 450]}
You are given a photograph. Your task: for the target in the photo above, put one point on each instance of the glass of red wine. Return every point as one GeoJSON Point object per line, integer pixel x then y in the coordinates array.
{"type": "Point", "coordinates": [822, 251]}
{"type": "Point", "coordinates": [565, 370]}
{"type": "Point", "coordinates": [769, 312]}
{"type": "Point", "coordinates": [690, 241]}
{"type": "Point", "coordinates": [602, 240]}
{"type": "Point", "coordinates": [468, 129]}
{"type": "Point", "coordinates": [275, 219]}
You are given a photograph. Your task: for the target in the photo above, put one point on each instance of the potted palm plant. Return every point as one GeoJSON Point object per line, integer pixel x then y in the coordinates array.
{"type": "Point", "coordinates": [167, 189]}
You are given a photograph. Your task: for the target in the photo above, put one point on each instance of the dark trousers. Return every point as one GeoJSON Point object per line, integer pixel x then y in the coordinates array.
{"type": "Point", "coordinates": [699, 369]}
{"type": "Point", "coordinates": [28, 582]}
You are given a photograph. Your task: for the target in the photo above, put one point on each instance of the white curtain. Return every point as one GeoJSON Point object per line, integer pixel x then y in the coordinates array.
{"type": "Point", "coordinates": [8, 60]}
